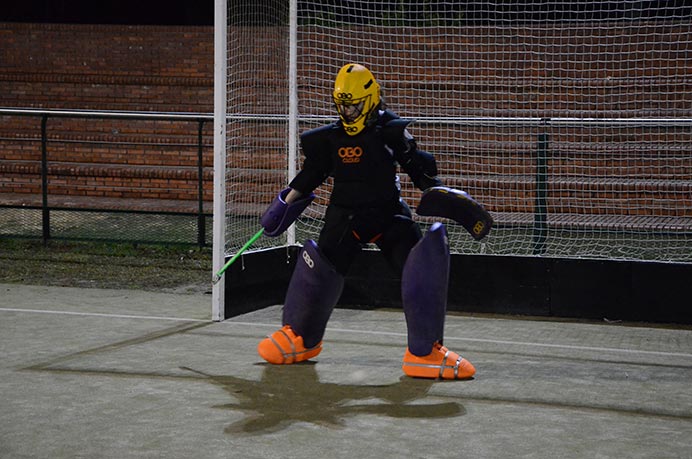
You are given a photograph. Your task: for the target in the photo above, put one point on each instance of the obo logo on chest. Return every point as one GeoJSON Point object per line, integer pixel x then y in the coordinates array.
{"type": "Point", "coordinates": [350, 155]}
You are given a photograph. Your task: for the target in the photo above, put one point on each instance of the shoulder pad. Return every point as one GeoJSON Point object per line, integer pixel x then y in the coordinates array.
{"type": "Point", "coordinates": [398, 123]}
{"type": "Point", "coordinates": [393, 131]}
{"type": "Point", "coordinates": [385, 116]}
{"type": "Point", "coordinates": [317, 139]}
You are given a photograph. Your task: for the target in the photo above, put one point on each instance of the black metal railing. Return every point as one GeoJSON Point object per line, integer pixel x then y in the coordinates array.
{"type": "Point", "coordinates": [45, 205]}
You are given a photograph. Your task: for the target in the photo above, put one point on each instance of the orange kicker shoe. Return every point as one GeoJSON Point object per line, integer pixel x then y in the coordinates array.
{"type": "Point", "coordinates": [441, 363]}
{"type": "Point", "coordinates": [285, 347]}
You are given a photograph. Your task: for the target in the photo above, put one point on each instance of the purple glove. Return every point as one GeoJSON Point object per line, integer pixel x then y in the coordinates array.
{"type": "Point", "coordinates": [279, 215]}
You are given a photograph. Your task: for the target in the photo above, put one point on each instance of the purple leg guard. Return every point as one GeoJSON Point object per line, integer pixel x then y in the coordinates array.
{"type": "Point", "coordinates": [424, 286]}
{"type": "Point", "coordinates": [314, 289]}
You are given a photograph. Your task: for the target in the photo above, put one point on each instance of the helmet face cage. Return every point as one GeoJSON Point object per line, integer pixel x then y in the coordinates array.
{"type": "Point", "coordinates": [351, 110]}
{"type": "Point", "coordinates": [356, 95]}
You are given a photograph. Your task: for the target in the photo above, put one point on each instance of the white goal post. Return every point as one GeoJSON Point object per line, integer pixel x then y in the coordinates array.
{"type": "Point", "coordinates": [570, 121]}
{"type": "Point", "coordinates": [220, 110]}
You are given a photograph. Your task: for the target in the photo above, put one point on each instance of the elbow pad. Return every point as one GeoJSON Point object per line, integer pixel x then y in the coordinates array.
{"type": "Point", "coordinates": [419, 165]}
{"type": "Point", "coordinates": [397, 138]}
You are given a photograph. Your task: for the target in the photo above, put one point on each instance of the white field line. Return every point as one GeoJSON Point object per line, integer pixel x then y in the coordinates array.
{"type": "Point", "coordinates": [492, 341]}
{"type": "Point", "coordinates": [353, 331]}
{"type": "Point", "coordinates": [96, 314]}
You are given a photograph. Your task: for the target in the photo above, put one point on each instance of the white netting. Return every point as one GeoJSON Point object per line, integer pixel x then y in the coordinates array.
{"type": "Point", "coordinates": [257, 105]}
{"type": "Point", "coordinates": [572, 123]}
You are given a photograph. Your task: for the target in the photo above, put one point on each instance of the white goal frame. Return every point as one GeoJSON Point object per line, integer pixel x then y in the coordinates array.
{"type": "Point", "coordinates": [219, 224]}
{"type": "Point", "coordinates": [505, 156]}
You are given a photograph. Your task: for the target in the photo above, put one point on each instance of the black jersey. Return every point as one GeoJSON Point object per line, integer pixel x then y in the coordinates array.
{"type": "Point", "coordinates": [364, 166]}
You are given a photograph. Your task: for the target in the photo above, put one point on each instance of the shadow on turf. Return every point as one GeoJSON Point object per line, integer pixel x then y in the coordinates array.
{"type": "Point", "coordinates": [285, 394]}
{"type": "Point", "coordinates": [289, 394]}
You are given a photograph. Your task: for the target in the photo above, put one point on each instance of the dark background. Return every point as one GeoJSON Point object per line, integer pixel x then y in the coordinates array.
{"type": "Point", "coordinates": [201, 12]}
{"type": "Point", "coordinates": [132, 12]}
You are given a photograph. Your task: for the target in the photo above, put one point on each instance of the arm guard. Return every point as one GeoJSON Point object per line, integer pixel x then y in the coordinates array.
{"type": "Point", "coordinates": [419, 165]}
{"type": "Point", "coordinates": [279, 215]}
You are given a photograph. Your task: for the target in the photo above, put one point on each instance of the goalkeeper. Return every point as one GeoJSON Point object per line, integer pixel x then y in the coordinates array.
{"type": "Point", "coordinates": [361, 152]}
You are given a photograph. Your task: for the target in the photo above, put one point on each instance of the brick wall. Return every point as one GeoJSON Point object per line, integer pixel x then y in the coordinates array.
{"type": "Point", "coordinates": [164, 69]}
{"type": "Point", "coordinates": [104, 67]}
{"type": "Point", "coordinates": [138, 68]}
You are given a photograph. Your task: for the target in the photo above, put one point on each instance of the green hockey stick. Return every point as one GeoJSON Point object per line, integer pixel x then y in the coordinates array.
{"type": "Point", "coordinates": [217, 276]}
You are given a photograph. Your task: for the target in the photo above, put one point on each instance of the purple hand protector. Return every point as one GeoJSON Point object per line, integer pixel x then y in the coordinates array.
{"type": "Point", "coordinates": [279, 215]}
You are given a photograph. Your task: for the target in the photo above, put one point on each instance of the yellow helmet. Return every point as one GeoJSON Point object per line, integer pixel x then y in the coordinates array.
{"type": "Point", "coordinates": [356, 95]}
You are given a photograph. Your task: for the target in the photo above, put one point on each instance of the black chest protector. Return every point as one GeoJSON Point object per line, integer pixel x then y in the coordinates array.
{"type": "Point", "coordinates": [363, 166]}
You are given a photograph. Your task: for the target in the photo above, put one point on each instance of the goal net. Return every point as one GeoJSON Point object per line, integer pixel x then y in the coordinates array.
{"type": "Point", "coordinates": [570, 121]}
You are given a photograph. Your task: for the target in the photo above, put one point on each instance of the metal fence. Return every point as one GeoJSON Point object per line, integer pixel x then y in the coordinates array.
{"type": "Point", "coordinates": [47, 193]}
